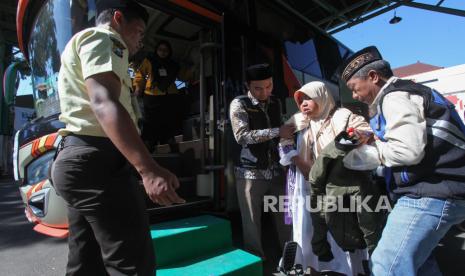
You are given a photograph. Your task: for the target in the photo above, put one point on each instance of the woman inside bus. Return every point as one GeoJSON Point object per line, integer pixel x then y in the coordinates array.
{"type": "Point", "coordinates": [317, 124]}
{"type": "Point", "coordinates": [155, 81]}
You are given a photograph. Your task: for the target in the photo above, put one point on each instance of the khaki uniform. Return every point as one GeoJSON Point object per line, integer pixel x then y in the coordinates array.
{"type": "Point", "coordinates": [90, 52]}
{"type": "Point", "coordinates": [108, 224]}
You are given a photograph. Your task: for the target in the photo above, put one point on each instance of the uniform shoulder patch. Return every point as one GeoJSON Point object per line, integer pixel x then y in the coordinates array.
{"type": "Point", "coordinates": [117, 47]}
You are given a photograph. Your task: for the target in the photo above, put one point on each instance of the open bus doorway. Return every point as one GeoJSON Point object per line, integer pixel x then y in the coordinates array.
{"type": "Point", "coordinates": [176, 76]}
{"type": "Point", "coordinates": [178, 111]}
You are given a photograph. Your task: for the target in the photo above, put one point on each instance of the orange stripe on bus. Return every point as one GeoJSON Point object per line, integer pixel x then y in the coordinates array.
{"type": "Point", "coordinates": [35, 144]}
{"type": "Point", "coordinates": [52, 232]}
{"type": "Point", "coordinates": [29, 192]}
{"type": "Point", "coordinates": [50, 140]}
{"type": "Point", "coordinates": [35, 188]}
{"type": "Point", "coordinates": [197, 9]}
{"type": "Point", "coordinates": [40, 186]}
{"type": "Point", "coordinates": [21, 11]}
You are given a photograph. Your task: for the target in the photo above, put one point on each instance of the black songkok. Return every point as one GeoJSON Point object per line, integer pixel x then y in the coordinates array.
{"type": "Point", "coordinates": [258, 72]}
{"type": "Point", "coordinates": [358, 60]}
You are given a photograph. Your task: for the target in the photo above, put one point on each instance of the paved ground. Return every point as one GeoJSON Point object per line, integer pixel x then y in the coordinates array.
{"type": "Point", "coordinates": [25, 252]}
{"type": "Point", "coordinates": [22, 250]}
{"type": "Point", "coordinates": [451, 253]}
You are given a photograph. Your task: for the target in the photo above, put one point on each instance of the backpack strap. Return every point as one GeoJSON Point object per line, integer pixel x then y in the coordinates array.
{"type": "Point", "coordinates": [409, 87]}
{"type": "Point", "coordinates": [436, 127]}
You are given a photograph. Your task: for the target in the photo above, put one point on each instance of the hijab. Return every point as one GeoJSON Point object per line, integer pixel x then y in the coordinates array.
{"type": "Point", "coordinates": [318, 92]}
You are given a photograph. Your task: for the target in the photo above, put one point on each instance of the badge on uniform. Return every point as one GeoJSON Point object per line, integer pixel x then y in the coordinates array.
{"type": "Point", "coordinates": [162, 72]}
{"type": "Point", "coordinates": [118, 47]}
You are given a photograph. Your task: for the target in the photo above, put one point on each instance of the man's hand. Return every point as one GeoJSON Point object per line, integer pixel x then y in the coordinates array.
{"type": "Point", "coordinates": [304, 166]}
{"type": "Point", "coordinates": [104, 90]}
{"type": "Point", "coordinates": [364, 137]}
{"type": "Point", "coordinates": [160, 185]}
{"type": "Point", "coordinates": [286, 131]}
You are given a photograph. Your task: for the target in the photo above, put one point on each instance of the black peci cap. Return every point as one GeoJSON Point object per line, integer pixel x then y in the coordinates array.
{"type": "Point", "coordinates": [123, 5]}
{"type": "Point", "coordinates": [358, 60]}
{"type": "Point", "coordinates": [258, 72]}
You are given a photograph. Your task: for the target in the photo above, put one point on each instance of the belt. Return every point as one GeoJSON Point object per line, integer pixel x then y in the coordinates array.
{"type": "Point", "coordinates": [87, 140]}
{"type": "Point", "coordinates": [103, 143]}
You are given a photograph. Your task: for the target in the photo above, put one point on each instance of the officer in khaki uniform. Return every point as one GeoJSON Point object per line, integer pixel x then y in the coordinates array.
{"type": "Point", "coordinates": [108, 225]}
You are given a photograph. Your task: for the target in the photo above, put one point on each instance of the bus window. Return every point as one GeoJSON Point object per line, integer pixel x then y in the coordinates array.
{"type": "Point", "coordinates": [344, 51]}
{"type": "Point", "coordinates": [57, 21]}
{"type": "Point", "coordinates": [299, 75]}
{"type": "Point", "coordinates": [303, 57]}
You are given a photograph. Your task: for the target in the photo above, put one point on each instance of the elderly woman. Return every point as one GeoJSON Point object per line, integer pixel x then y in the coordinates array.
{"type": "Point", "coordinates": [317, 124]}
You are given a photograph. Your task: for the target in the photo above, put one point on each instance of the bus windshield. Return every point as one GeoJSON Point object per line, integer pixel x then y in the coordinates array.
{"type": "Point", "coordinates": [57, 21]}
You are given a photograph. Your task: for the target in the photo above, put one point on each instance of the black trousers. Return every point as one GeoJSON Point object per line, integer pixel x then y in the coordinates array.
{"type": "Point", "coordinates": [108, 223]}
{"type": "Point", "coordinates": [163, 119]}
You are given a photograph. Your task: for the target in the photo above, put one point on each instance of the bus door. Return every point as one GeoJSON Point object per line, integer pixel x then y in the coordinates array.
{"type": "Point", "coordinates": [211, 100]}
{"type": "Point", "coordinates": [234, 56]}
{"type": "Point", "coordinates": [195, 35]}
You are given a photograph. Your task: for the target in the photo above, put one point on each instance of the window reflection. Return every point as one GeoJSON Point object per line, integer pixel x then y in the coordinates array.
{"type": "Point", "coordinates": [303, 57]}
{"type": "Point", "coordinates": [55, 24]}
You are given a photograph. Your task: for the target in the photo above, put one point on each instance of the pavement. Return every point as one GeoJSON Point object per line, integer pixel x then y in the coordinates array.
{"type": "Point", "coordinates": [22, 250]}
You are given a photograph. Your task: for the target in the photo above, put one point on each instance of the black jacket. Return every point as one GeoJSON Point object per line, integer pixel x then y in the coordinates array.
{"type": "Point", "coordinates": [266, 153]}
{"type": "Point", "coordinates": [441, 173]}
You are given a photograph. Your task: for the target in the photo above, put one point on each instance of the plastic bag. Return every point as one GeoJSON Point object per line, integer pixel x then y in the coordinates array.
{"type": "Point", "coordinates": [287, 150]}
{"type": "Point", "coordinates": [363, 158]}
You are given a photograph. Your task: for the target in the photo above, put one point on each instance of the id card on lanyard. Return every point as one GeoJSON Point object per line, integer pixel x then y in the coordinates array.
{"type": "Point", "coordinates": [162, 72]}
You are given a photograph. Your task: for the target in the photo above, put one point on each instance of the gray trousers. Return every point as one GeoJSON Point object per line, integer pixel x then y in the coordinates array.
{"type": "Point", "coordinates": [250, 193]}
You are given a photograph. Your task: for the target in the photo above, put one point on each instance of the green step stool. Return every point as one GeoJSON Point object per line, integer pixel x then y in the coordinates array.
{"type": "Point", "coordinates": [200, 246]}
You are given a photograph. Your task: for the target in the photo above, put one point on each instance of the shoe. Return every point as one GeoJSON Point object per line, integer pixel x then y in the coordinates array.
{"type": "Point", "coordinates": [287, 262]}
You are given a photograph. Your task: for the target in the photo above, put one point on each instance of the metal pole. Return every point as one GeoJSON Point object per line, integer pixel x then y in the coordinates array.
{"type": "Point", "coordinates": [202, 104]}
{"type": "Point", "coordinates": [215, 130]}
{"type": "Point", "coordinates": [433, 8]}
{"type": "Point", "coordinates": [365, 18]}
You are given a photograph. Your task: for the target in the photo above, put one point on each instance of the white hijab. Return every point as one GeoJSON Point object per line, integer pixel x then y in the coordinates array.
{"type": "Point", "coordinates": [319, 93]}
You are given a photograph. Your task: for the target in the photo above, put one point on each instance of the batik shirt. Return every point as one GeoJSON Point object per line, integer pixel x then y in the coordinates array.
{"type": "Point", "coordinates": [245, 136]}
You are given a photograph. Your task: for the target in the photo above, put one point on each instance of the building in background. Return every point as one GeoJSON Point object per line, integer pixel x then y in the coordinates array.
{"type": "Point", "coordinates": [449, 81]}
{"type": "Point", "coordinates": [414, 69]}
{"type": "Point", "coordinates": [24, 111]}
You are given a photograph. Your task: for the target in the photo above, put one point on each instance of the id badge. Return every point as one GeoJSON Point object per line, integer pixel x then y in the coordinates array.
{"type": "Point", "coordinates": [162, 72]}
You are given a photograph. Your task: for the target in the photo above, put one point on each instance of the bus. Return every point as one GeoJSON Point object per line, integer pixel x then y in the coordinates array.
{"type": "Point", "coordinates": [213, 41]}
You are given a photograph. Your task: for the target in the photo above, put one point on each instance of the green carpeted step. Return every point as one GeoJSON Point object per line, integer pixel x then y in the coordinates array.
{"type": "Point", "coordinates": [186, 239]}
{"type": "Point", "coordinates": [234, 262]}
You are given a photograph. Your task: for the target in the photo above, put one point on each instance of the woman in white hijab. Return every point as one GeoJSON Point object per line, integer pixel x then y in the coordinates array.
{"type": "Point", "coordinates": [317, 124]}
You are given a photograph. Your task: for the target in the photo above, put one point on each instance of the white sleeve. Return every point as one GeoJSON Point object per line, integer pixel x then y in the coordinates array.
{"type": "Point", "coordinates": [405, 132]}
